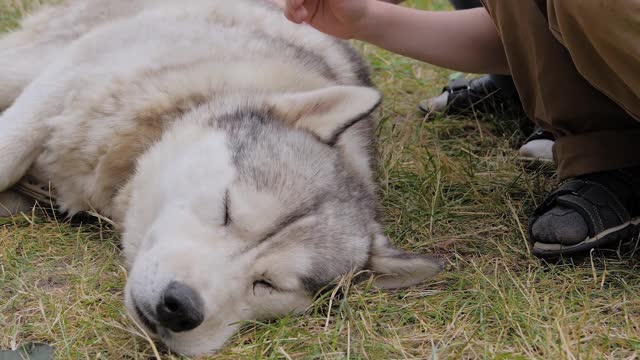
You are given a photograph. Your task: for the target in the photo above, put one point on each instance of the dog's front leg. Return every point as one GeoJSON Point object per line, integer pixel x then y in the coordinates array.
{"type": "Point", "coordinates": [23, 126]}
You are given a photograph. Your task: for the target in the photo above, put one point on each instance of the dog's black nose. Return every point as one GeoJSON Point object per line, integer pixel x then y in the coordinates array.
{"type": "Point", "coordinates": [180, 308]}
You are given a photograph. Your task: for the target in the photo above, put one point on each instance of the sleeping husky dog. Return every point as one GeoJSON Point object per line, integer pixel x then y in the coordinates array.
{"type": "Point", "coordinates": [232, 148]}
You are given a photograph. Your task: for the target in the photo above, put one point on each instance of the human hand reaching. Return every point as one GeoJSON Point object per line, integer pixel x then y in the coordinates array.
{"type": "Point", "coordinates": [441, 38]}
{"type": "Point", "coordinates": [340, 18]}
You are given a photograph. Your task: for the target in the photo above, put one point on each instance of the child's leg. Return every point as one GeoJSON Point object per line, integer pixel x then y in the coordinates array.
{"type": "Point", "coordinates": [576, 65]}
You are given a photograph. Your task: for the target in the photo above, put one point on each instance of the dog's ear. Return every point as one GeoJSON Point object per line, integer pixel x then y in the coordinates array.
{"type": "Point", "coordinates": [395, 268]}
{"type": "Point", "coordinates": [326, 112]}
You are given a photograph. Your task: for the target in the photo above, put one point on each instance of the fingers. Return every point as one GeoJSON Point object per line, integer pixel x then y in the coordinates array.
{"type": "Point", "coordinates": [295, 11]}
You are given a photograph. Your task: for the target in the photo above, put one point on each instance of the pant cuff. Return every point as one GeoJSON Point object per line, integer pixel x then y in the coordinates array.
{"type": "Point", "coordinates": [594, 152]}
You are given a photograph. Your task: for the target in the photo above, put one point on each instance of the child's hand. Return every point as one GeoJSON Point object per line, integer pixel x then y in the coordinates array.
{"type": "Point", "coordinates": [441, 38]}
{"type": "Point", "coordinates": [339, 18]}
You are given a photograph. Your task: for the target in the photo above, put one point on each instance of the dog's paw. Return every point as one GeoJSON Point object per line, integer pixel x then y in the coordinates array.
{"type": "Point", "coordinates": [12, 203]}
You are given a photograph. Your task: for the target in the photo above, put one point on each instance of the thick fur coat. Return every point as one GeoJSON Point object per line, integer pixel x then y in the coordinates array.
{"type": "Point", "coordinates": [232, 148]}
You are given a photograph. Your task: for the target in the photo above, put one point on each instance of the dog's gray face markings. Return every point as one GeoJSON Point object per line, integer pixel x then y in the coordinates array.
{"type": "Point", "coordinates": [327, 209]}
{"type": "Point", "coordinates": [283, 219]}
{"type": "Point", "coordinates": [257, 219]}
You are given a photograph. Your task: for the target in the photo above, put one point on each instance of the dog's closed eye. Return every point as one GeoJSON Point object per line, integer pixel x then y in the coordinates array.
{"type": "Point", "coordinates": [227, 204]}
{"type": "Point", "coordinates": [264, 284]}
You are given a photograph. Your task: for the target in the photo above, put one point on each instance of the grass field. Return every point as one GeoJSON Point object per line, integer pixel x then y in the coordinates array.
{"type": "Point", "coordinates": [450, 186]}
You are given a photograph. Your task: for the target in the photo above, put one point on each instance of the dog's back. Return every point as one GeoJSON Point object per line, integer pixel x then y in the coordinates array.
{"type": "Point", "coordinates": [148, 62]}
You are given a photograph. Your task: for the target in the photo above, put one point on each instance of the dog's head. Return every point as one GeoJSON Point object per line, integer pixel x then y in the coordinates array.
{"type": "Point", "coordinates": [248, 217]}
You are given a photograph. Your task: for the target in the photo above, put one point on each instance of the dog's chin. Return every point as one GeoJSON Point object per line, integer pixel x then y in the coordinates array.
{"type": "Point", "coordinates": [198, 343]}
{"type": "Point", "coordinates": [174, 342]}
{"type": "Point", "coordinates": [150, 331]}
{"type": "Point", "coordinates": [149, 328]}
{"type": "Point", "coordinates": [191, 351]}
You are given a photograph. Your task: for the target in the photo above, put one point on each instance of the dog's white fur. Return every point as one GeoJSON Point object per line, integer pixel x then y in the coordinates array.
{"type": "Point", "coordinates": [116, 103]}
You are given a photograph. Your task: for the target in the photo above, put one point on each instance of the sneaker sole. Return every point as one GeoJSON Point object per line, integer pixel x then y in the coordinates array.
{"type": "Point", "coordinates": [618, 233]}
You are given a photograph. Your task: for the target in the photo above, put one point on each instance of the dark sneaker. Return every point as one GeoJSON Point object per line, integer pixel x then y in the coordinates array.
{"type": "Point", "coordinates": [463, 96]}
{"type": "Point", "coordinates": [586, 212]}
{"type": "Point", "coordinates": [492, 95]}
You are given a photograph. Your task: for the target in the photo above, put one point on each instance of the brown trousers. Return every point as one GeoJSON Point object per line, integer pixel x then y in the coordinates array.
{"type": "Point", "coordinates": [576, 65]}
